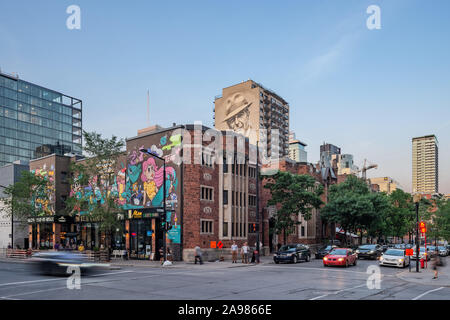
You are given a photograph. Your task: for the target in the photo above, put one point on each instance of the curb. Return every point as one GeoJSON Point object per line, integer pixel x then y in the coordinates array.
{"type": "Point", "coordinates": [422, 280]}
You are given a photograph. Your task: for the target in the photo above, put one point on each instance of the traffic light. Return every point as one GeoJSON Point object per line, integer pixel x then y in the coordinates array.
{"type": "Point", "coordinates": [254, 227]}
{"type": "Point", "coordinates": [423, 227]}
{"type": "Point", "coordinates": [163, 217]}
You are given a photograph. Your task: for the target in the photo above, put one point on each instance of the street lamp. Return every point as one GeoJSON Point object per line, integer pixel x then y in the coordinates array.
{"type": "Point", "coordinates": [12, 223]}
{"type": "Point", "coordinates": [164, 198]}
{"type": "Point", "coordinates": [417, 197]}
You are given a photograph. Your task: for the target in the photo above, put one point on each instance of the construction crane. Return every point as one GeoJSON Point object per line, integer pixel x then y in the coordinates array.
{"type": "Point", "coordinates": [364, 169]}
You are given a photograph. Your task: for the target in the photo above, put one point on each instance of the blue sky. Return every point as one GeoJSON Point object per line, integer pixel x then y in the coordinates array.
{"type": "Point", "coordinates": [367, 91]}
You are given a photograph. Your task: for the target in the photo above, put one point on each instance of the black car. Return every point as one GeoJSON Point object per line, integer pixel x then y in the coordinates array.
{"type": "Point", "coordinates": [292, 253]}
{"type": "Point", "coordinates": [369, 251]}
{"type": "Point", "coordinates": [322, 252]}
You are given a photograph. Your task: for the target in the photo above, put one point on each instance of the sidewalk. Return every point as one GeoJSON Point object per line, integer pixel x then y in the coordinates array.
{"type": "Point", "coordinates": [184, 264]}
{"type": "Point", "coordinates": [425, 276]}
{"type": "Point", "coordinates": [118, 263]}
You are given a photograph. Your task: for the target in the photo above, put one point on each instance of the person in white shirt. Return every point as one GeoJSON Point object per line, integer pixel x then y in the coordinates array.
{"type": "Point", "coordinates": [245, 252]}
{"type": "Point", "coordinates": [234, 251]}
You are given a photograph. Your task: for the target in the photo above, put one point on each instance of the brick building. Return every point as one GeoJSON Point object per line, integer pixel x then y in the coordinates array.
{"type": "Point", "coordinates": [313, 231]}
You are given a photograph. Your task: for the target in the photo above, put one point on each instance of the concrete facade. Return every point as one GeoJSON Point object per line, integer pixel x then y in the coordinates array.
{"type": "Point", "coordinates": [10, 174]}
{"type": "Point", "coordinates": [425, 164]}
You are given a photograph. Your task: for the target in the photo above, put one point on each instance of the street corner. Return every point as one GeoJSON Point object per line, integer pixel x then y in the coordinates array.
{"type": "Point", "coordinates": [424, 277]}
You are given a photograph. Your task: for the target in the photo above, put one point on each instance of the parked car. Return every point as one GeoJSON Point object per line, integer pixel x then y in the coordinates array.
{"type": "Point", "coordinates": [395, 257]}
{"type": "Point", "coordinates": [422, 254]}
{"type": "Point", "coordinates": [400, 246]}
{"type": "Point", "coordinates": [292, 253]}
{"type": "Point", "coordinates": [369, 251]}
{"type": "Point", "coordinates": [57, 263]}
{"type": "Point", "coordinates": [443, 252]}
{"type": "Point", "coordinates": [322, 252]}
{"type": "Point", "coordinates": [340, 257]}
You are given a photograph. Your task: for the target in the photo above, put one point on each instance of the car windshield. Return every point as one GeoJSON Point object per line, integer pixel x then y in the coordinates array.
{"type": "Point", "coordinates": [288, 247]}
{"type": "Point", "coordinates": [339, 252]}
{"type": "Point", "coordinates": [441, 248]}
{"type": "Point", "coordinates": [327, 248]}
{"type": "Point", "coordinates": [392, 252]}
{"type": "Point", "coordinates": [367, 246]}
{"type": "Point", "coordinates": [399, 246]}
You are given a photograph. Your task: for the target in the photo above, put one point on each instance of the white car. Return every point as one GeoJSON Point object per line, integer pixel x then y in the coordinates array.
{"type": "Point", "coordinates": [395, 258]}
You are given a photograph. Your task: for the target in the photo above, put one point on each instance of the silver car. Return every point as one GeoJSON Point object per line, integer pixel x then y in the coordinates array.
{"type": "Point", "coordinates": [395, 258]}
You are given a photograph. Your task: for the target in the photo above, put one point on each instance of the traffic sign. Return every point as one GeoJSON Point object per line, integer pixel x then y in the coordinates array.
{"type": "Point", "coordinates": [220, 244]}
{"type": "Point", "coordinates": [213, 244]}
{"type": "Point", "coordinates": [409, 252]}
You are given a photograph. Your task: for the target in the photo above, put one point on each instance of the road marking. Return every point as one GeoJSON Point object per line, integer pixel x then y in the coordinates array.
{"type": "Point", "coordinates": [327, 269]}
{"type": "Point", "coordinates": [31, 292]}
{"type": "Point", "coordinates": [322, 296]}
{"type": "Point", "coordinates": [47, 280]}
{"type": "Point", "coordinates": [425, 293]}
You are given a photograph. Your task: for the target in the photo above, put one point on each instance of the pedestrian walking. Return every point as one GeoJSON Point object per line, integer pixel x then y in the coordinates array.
{"type": "Point", "coordinates": [234, 252]}
{"type": "Point", "coordinates": [81, 247]}
{"type": "Point", "coordinates": [57, 246]}
{"type": "Point", "coordinates": [198, 255]}
{"type": "Point", "coordinates": [435, 263]}
{"type": "Point", "coordinates": [245, 250]}
{"type": "Point", "coordinates": [161, 255]}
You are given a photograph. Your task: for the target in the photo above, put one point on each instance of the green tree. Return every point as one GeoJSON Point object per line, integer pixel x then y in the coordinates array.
{"type": "Point", "coordinates": [294, 195]}
{"type": "Point", "coordinates": [401, 217]}
{"type": "Point", "coordinates": [28, 198]}
{"type": "Point", "coordinates": [92, 183]}
{"type": "Point", "coordinates": [355, 208]}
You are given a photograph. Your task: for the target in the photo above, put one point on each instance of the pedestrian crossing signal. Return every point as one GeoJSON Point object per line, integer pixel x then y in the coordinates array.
{"type": "Point", "coordinates": [423, 227]}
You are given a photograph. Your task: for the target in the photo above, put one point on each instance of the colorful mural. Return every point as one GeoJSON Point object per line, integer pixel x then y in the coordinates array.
{"type": "Point", "coordinates": [144, 180]}
{"type": "Point", "coordinates": [44, 199]}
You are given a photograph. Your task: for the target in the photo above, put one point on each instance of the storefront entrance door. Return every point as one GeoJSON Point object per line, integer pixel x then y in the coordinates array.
{"type": "Point", "coordinates": [141, 239]}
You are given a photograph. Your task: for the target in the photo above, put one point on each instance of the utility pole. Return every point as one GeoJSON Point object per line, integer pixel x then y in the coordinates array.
{"type": "Point", "coordinates": [417, 198]}
{"type": "Point", "coordinates": [257, 202]}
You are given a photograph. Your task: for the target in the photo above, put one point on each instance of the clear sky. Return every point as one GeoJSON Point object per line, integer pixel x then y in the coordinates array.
{"type": "Point", "coordinates": [366, 91]}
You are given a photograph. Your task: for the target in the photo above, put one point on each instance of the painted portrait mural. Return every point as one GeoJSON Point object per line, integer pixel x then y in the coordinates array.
{"type": "Point", "coordinates": [144, 179]}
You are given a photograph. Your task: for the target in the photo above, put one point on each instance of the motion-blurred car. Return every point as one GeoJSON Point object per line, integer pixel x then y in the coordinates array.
{"type": "Point", "coordinates": [340, 257]}
{"type": "Point", "coordinates": [369, 251]}
{"type": "Point", "coordinates": [394, 257]}
{"type": "Point", "coordinates": [322, 252]}
{"type": "Point", "coordinates": [57, 263]}
{"type": "Point", "coordinates": [292, 253]}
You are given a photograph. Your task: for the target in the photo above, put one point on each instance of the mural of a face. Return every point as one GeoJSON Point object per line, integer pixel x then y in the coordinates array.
{"type": "Point", "coordinates": [238, 114]}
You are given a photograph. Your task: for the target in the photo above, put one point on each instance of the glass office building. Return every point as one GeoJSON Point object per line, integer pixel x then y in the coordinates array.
{"type": "Point", "coordinates": [36, 121]}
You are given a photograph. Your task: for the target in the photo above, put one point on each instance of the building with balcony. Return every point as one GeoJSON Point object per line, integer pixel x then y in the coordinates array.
{"type": "Point", "coordinates": [257, 113]}
{"type": "Point", "coordinates": [425, 164]}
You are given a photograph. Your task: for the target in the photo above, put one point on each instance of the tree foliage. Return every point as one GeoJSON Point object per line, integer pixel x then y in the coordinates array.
{"type": "Point", "coordinates": [93, 180]}
{"type": "Point", "coordinates": [28, 198]}
{"type": "Point", "coordinates": [294, 195]}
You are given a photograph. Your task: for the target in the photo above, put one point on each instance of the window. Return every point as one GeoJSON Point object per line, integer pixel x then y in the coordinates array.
{"type": "Point", "coordinates": [252, 201]}
{"type": "Point", "coordinates": [225, 196]}
{"type": "Point", "coordinates": [303, 231]}
{"type": "Point", "coordinates": [252, 172]}
{"type": "Point", "coordinates": [207, 193]}
{"type": "Point", "coordinates": [225, 165]}
{"type": "Point", "coordinates": [207, 160]}
{"type": "Point", "coordinates": [225, 229]}
{"type": "Point", "coordinates": [206, 226]}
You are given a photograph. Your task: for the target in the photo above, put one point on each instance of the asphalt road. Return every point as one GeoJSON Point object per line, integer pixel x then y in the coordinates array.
{"type": "Point", "coordinates": [303, 281]}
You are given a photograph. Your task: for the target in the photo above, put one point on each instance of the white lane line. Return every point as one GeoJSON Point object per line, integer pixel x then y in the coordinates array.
{"type": "Point", "coordinates": [32, 292]}
{"type": "Point", "coordinates": [322, 296]}
{"type": "Point", "coordinates": [60, 279]}
{"type": "Point", "coordinates": [425, 293]}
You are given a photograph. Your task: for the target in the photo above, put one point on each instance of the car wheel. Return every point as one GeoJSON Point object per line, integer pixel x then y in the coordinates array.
{"type": "Point", "coordinates": [294, 259]}
{"type": "Point", "coordinates": [277, 262]}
